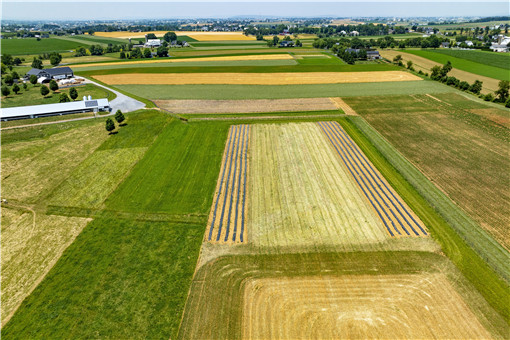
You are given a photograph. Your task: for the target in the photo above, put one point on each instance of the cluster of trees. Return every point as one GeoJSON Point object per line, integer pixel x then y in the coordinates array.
{"type": "Point", "coordinates": [325, 31]}
{"type": "Point", "coordinates": [138, 53]}
{"type": "Point", "coordinates": [110, 124]}
{"type": "Point", "coordinates": [276, 40]}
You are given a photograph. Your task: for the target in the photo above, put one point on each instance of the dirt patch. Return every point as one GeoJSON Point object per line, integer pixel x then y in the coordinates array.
{"type": "Point", "coordinates": [340, 104]}
{"type": "Point", "coordinates": [246, 106]}
{"type": "Point", "coordinates": [365, 306]}
{"type": "Point", "coordinates": [494, 115]}
{"type": "Point", "coordinates": [256, 78]}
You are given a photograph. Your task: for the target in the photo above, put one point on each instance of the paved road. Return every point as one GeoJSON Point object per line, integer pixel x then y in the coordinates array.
{"type": "Point", "coordinates": [121, 102]}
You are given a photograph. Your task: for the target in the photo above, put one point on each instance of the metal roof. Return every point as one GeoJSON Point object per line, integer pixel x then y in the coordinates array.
{"type": "Point", "coordinates": [58, 70]}
{"type": "Point", "coordinates": [35, 110]}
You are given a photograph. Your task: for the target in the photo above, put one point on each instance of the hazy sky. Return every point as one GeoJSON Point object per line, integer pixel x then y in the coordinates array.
{"type": "Point", "coordinates": [70, 10]}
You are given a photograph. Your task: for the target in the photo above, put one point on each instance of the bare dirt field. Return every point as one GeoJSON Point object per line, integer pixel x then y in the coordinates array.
{"type": "Point", "coordinates": [364, 306]}
{"type": "Point", "coordinates": [246, 106]}
{"type": "Point", "coordinates": [184, 60]}
{"type": "Point", "coordinates": [227, 219]}
{"type": "Point", "coordinates": [424, 64]}
{"type": "Point", "coordinates": [340, 104]}
{"type": "Point", "coordinates": [256, 78]}
{"type": "Point", "coordinates": [31, 245]}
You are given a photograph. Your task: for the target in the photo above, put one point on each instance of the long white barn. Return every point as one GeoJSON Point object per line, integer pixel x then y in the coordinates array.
{"type": "Point", "coordinates": [34, 111]}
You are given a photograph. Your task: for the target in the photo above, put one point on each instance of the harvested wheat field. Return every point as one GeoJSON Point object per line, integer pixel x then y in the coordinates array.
{"type": "Point", "coordinates": [31, 244]}
{"type": "Point", "coordinates": [246, 106]}
{"type": "Point", "coordinates": [185, 60]}
{"type": "Point", "coordinates": [300, 194]}
{"type": "Point", "coordinates": [227, 220]}
{"type": "Point", "coordinates": [397, 217]}
{"type": "Point", "coordinates": [256, 78]}
{"type": "Point", "coordinates": [425, 65]}
{"type": "Point", "coordinates": [415, 306]}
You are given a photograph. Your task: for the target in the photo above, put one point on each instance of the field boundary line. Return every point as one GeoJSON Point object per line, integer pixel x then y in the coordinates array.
{"type": "Point", "coordinates": [437, 99]}
{"type": "Point", "coordinates": [340, 104]}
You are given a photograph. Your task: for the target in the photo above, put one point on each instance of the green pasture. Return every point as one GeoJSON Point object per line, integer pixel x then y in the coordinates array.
{"type": "Point", "coordinates": [283, 91]}
{"type": "Point", "coordinates": [118, 279]}
{"type": "Point", "coordinates": [32, 96]}
{"type": "Point", "coordinates": [32, 46]}
{"type": "Point", "coordinates": [264, 114]}
{"type": "Point", "coordinates": [233, 43]}
{"type": "Point", "coordinates": [178, 173]}
{"type": "Point", "coordinates": [501, 60]}
{"type": "Point", "coordinates": [463, 64]}
{"type": "Point", "coordinates": [93, 40]}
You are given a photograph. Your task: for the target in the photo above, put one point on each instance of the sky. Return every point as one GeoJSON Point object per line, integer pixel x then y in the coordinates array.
{"type": "Point", "coordinates": [98, 10]}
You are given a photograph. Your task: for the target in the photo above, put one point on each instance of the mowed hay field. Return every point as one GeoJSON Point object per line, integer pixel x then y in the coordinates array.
{"type": "Point", "coordinates": [424, 64]}
{"type": "Point", "coordinates": [187, 60]}
{"type": "Point", "coordinates": [302, 194]}
{"type": "Point", "coordinates": [246, 106]}
{"type": "Point", "coordinates": [335, 295]}
{"type": "Point", "coordinates": [402, 306]}
{"type": "Point", "coordinates": [256, 78]}
{"type": "Point", "coordinates": [463, 153]}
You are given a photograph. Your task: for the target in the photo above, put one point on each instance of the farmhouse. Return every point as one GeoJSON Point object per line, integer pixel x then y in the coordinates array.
{"type": "Point", "coordinates": [50, 73]}
{"type": "Point", "coordinates": [59, 109]}
{"type": "Point", "coordinates": [372, 55]}
{"type": "Point", "coordinates": [287, 43]}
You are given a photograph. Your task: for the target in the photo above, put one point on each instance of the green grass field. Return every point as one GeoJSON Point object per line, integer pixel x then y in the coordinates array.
{"type": "Point", "coordinates": [279, 91]}
{"type": "Point", "coordinates": [119, 279]}
{"type": "Point", "coordinates": [500, 60]}
{"type": "Point", "coordinates": [183, 164]}
{"type": "Point", "coordinates": [92, 40]}
{"type": "Point", "coordinates": [32, 46]}
{"type": "Point", "coordinates": [482, 69]}
{"type": "Point", "coordinates": [32, 96]}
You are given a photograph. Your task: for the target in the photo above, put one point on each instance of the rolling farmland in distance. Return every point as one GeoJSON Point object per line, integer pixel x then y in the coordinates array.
{"type": "Point", "coordinates": [262, 193]}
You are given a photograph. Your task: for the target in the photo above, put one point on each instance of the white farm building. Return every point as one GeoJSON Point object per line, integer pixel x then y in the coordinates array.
{"type": "Point", "coordinates": [58, 109]}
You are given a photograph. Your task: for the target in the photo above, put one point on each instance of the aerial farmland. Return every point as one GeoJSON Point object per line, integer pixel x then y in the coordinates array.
{"type": "Point", "coordinates": [293, 178]}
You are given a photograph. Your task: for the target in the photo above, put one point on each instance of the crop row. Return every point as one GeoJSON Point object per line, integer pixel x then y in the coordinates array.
{"type": "Point", "coordinates": [393, 212]}
{"type": "Point", "coordinates": [227, 218]}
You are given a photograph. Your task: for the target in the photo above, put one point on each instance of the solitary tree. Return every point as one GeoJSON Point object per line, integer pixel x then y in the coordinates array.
{"type": "Point", "coordinates": [25, 86]}
{"type": "Point", "coordinates": [147, 53]}
{"type": "Point", "coordinates": [119, 116]}
{"type": "Point", "coordinates": [33, 79]}
{"type": "Point", "coordinates": [53, 85]}
{"type": "Point", "coordinates": [151, 36]}
{"type": "Point", "coordinates": [73, 93]}
{"type": "Point", "coordinates": [397, 59]}
{"type": "Point", "coordinates": [8, 79]}
{"type": "Point", "coordinates": [15, 75]}
{"type": "Point", "coordinates": [110, 125]}
{"type": "Point", "coordinates": [122, 55]}
{"type": "Point", "coordinates": [15, 88]}
{"type": "Point", "coordinates": [503, 89]}
{"type": "Point", "coordinates": [275, 40]}
{"type": "Point", "coordinates": [5, 91]}
{"type": "Point", "coordinates": [162, 51]}
{"type": "Point", "coordinates": [170, 36]}
{"type": "Point", "coordinates": [55, 59]}
{"type": "Point", "coordinates": [44, 91]}
{"type": "Point", "coordinates": [37, 63]}
{"type": "Point", "coordinates": [63, 98]}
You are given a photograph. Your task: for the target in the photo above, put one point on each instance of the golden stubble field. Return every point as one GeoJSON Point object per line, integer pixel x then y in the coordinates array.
{"type": "Point", "coordinates": [401, 306]}
{"type": "Point", "coordinates": [255, 78]}
{"type": "Point", "coordinates": [185, 60]}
